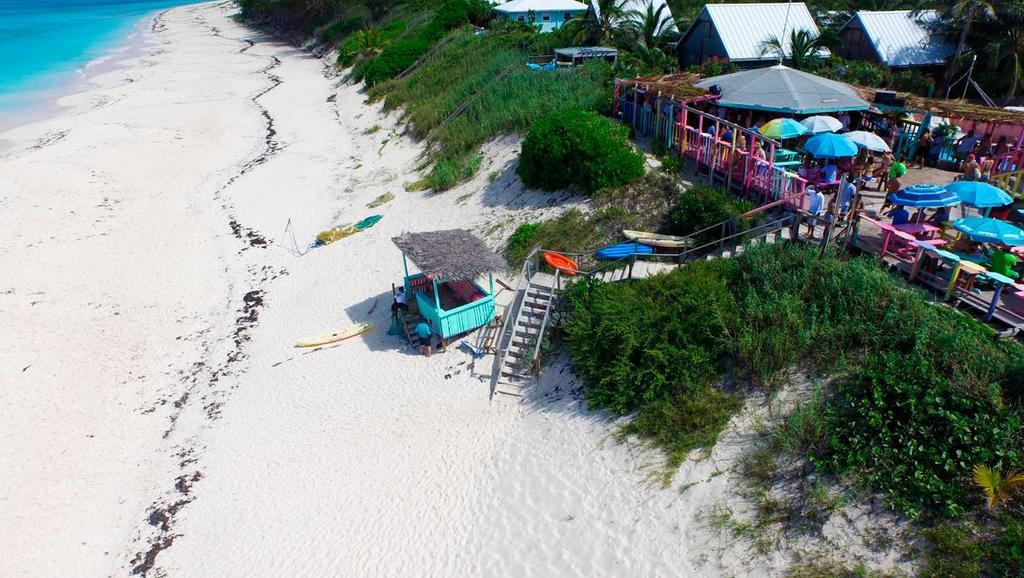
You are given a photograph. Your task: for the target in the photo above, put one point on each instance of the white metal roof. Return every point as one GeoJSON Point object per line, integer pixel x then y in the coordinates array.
{"type": "Point", "coordinates": [641, 6]}
{"type": "Point", "coordinates": [541, 6]}
{"type": "Point", "coordinates": [743, 28]}
{"type": "Point", "coordinates": [901, 39]}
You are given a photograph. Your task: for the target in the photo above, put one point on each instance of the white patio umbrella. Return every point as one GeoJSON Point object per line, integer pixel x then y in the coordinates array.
{"type": "Point", "coordinates": [868, 140]}
{"type": "Point", "coordinates": [820, 124]}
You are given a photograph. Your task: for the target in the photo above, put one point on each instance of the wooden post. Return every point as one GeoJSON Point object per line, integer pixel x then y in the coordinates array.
{"type": "Point", "coordinates": [771, 170]}
{"type": "Point", "coordinates": [405, 280]}
{"type": "Point", "coordinates": [700, 137]}
{"type": "Point", "coordinates": [437, 298]}
{"type": "Point", "coordinates": [952, 281]}
{"type": "Point", "coordinates": [682, 133]}
{"type": "Point", "coordinates": [732, 160]}
{"type": "Point", "coordinates": [490, 277]}
{"type": "Point", "coordinates": [995, 301]}
{"type": "Point", "coordinates": [917, 264]}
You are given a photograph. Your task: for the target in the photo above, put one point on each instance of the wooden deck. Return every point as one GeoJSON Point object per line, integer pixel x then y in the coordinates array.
{"type": "Point", "coordinates": [1008, 314]}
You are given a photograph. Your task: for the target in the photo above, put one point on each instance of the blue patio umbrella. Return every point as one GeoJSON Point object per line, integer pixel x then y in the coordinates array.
{"type": "Point", "coordinates": [979, 194]}
{"type": "Point", "coordinates": [830, 146]}
{"type": "Point", "coordinates": [921, 196]}
{"type": "Point", "coordinates": [985, 230]}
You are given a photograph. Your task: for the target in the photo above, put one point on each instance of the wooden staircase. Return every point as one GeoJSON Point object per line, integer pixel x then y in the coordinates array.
{"type": "Point", "coordinates": [517, 369]}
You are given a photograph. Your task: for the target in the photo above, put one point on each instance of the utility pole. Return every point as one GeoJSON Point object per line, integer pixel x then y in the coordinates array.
{"type": "Point", "coordinates": [970, 71]}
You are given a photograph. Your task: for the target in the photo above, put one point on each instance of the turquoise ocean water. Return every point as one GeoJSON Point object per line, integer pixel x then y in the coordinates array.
{"type": "Point", "coordinates": [46, 43]}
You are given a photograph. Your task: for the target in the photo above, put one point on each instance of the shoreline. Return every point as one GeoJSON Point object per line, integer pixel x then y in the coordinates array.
{"type": "Point", "coordinates": [50, 101]}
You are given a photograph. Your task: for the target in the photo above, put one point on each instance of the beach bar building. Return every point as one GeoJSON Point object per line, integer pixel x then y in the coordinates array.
{"type": "Point", "coordinates": [445, 293]}
{"type": "Point", "coordinates": [548, 14]}
{"type": "Point", "coordinates": [737, 32]}
{"type": "Point", "coordinates": [895, 39]}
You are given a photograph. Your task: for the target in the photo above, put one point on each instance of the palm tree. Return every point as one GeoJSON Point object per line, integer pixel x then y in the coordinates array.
{"type": "Point", "coordinates": [608, 27]}
{"type": "Point", "coordinates": [961, 14]}
{"type": "Point", "coordinates": [652, 28]}
{"type": "Point", "coordinates": [803, 47]}
{"type": "Point", "coordinates": [997, 487]}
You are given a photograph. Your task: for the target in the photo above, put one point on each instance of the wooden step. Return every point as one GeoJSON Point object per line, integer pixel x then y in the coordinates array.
{"type": "Point", "coordinates": [525, 323]}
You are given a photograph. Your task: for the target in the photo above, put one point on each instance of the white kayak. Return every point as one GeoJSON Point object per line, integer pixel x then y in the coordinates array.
{"type": "Point", "coordinates": [326, 338]}
{"type": "Point", "coordinates": [657, 240]}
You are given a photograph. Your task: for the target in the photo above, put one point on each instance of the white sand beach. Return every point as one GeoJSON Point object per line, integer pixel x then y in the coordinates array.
{"type": "Point", "coordinates": [159, 420]}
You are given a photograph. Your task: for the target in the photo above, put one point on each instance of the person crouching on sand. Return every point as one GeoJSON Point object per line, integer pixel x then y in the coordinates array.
{"type": "Point", "coordinates": [423, 333]}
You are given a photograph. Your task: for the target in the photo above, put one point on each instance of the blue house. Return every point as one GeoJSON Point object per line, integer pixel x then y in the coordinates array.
{"type": "Point", "coordinates": [548, 14]}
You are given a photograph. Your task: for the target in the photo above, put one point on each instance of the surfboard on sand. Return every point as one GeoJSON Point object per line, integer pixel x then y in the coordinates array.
{"type": "Point", "coordinates": [327, 338]}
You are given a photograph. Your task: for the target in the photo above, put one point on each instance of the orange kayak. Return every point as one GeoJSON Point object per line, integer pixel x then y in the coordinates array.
{"type": "Point", "coordinates": [564, 264]}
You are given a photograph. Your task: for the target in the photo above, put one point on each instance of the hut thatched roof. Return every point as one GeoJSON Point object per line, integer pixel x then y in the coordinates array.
{"type": "Point", "coordinates": [679, 84]}
{"type": "Point", "coordinates": [955, 109]}
{"type": "Point", "coordinates": [451, 254]}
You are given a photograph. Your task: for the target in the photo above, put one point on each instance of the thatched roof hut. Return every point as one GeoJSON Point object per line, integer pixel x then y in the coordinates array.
{"type": "Point", "coordinates": [957, 109]}
{"type": "Point", "coordinates": [450, 254]}
{"type": "Point", "coordinates": [679, 84]}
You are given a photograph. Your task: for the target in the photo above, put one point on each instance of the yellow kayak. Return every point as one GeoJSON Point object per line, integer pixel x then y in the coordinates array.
{"type": "Point", "coordinates": [326, 338]}
{"type": "Point", "coordinates": [668, 241]}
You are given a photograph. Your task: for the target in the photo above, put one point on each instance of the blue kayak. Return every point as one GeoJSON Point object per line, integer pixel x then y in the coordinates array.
{"type": "Point", "coordinates": [621, 250]}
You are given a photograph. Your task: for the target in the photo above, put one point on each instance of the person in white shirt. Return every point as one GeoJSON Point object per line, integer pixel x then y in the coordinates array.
{"type": "Point", "coordinates": [401, 300]}
{"type": "Point", "coordinates": [846, 194]}
{"type": "Point", "coordinates": [815, 207]}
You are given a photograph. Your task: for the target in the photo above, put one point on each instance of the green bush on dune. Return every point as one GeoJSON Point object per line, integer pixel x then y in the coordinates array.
{"type": "Point", "coordinates": [926, 392]}
{"type": "Point", "coordinates": [578, 147]}
{"type": "Point", "coordinates": [402, 54]}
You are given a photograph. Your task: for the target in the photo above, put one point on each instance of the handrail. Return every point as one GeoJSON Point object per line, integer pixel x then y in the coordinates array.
{"type": "Point", "coordinates": [524, 277]}
{"type": "Point", "coordinates": [771, 205]}
{"type": "Point", "coordinates": [543, 325]}
{"type": "Point", "coordinates": [772, 227]}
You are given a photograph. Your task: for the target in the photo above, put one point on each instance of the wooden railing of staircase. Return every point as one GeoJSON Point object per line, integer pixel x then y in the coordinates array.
{"type": "Point", "coordinates": [544, 322]}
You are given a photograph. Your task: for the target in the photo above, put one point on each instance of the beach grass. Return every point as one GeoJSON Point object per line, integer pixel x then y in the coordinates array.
{"type": "Point", "coordinates": [460, 98]}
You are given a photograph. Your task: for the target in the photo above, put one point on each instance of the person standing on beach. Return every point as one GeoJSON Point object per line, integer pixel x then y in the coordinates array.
{"type": "Point", "coordinates": [423, 334]}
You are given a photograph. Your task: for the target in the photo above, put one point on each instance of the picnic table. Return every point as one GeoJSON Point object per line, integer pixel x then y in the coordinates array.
{"type": "Point", "coordinates": [903, 243]}
{"type": "Point", "coordinates": [786, 155]}
{"type": "Point", "coordinates": [1000, 281]}
{"type": "Point", "coordinates": [919, 230]}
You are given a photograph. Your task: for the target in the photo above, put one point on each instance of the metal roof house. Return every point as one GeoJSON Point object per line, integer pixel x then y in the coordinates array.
{"type": "Point", "coordinates": [894, 38]}
{"type": "Point", "coordinates": [548, 14]}
{"type": "Point", "coordinates": [736, 32]}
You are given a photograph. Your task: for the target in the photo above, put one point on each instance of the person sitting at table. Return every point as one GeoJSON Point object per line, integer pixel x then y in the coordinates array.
{"type": "Point", "coordinates": [1001, 213]}
{"type": "Point", "coordinates": [971, 168]}
{"type": "Point", "coordinates": [941, 216]}
{"type": "Point", "coordinates": [829, 172]}
{"type": "Point", "coordinates": [986, 169]}
{"type": "Point", "coordinates": [1002, 146]}
{"type": "Point", "coordinates": [899, 214]}
{"type": "Point", "coordinates": [1003, 262]}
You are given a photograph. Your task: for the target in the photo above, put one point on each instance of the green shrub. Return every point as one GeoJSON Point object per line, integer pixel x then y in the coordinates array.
{"type": "Point", "coordinates": [339, 28]}
{"type": "Point", "coordinates": [1007, 553]}
{"type": "Point", "coordinates": [957, 551]}
{"type": "Point", "coordinates": [451, 169]}
{"type": "Point", "coordinates": [522, 241]}
{"type": "Point", "coordinates": [368, 41]}
{"type": "Point", "coordinates": [902, 426]}
{"type": "Point", "coordinates": [402, 54]}
{"type": "Point", "coordinates": [636, 343]}
{"type": "Point", "coordinates": [578, 147]}
{"type": "Point", "coordinates": [685, 420]}
{"type": "Point", "coordinates": [701, 206]}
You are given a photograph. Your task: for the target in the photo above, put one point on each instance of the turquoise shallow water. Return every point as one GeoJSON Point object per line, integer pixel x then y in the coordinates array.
{"type": "Point", "coordinates": [44, 43]}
